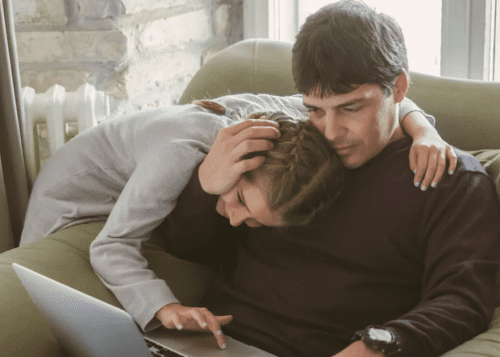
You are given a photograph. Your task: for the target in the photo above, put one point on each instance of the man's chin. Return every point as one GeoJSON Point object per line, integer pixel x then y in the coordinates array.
{"type": "Point", "coordinates": [351, 162]}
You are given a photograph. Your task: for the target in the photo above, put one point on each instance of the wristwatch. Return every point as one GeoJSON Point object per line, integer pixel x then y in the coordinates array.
{"type": "Point", "coordinates": [379, 339]}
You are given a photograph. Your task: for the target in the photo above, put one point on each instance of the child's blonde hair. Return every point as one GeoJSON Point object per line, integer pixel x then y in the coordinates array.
{"type": "Point", "coordinates": [305, 174]}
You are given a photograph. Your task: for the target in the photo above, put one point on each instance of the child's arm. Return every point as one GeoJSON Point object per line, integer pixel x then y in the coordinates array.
{"type": "Point", "coordinates": [429, 152]}
{"type": "Point", "coordinates": [223, 165]}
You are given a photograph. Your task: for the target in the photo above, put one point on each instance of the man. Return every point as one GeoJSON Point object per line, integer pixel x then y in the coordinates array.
{"type": "Point", "coordinates": [386, 270]}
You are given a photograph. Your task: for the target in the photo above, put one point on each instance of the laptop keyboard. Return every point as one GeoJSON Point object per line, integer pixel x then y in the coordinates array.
{"type": "Point", "coordinates": [160, 351]}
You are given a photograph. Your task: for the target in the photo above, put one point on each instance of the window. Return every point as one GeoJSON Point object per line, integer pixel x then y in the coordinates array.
{"type": "Point", "coordinates": [453, 38]}
{"type": "Point", "coordinates": [420, 21]}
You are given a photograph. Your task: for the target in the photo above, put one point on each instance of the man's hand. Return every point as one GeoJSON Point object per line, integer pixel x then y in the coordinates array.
{"type": "Point", "coordinates": [176, 316]}
{"type": "Point", "coordinates": [224, 164]}
{"type": "Point", "coordinates": [358, 349]}
{"type": "Point", "coordinates": [429, 155]}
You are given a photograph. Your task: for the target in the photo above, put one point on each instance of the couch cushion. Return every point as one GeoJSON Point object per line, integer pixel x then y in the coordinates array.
{"type": "Point", "coordinates": [63, 256]}
{"type": "Point", "coordinates": [490, 159]}
{"type": "Point", "coordinates": [486, 344]}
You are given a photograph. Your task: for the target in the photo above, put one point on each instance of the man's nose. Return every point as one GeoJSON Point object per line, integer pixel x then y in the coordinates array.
{"type": "Point", "coordinates": [332, 126]}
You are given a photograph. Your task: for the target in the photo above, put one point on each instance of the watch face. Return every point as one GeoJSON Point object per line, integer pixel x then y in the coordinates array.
{"type": "Point", "coordinates": [378, 334]}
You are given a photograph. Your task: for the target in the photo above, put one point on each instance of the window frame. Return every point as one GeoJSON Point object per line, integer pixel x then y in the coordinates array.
{"type": "Point", "coordinates": [474, 36]}
{"type": "Point", "coordinates": [467, 29]}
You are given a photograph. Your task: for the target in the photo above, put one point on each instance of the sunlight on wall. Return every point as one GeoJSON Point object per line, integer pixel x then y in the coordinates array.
{"type": "Point", "coordinates": [419, 20]}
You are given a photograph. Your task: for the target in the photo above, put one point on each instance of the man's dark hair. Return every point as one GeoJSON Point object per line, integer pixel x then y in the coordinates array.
{"type": "Point", "coordinates": [347, 44]}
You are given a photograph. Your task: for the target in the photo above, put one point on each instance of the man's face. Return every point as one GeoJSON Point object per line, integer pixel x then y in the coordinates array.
{"type": "Point", "coordinates": [358, 124]}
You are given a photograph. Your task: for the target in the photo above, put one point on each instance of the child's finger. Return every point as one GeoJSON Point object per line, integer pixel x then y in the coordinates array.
{"type": "Point", "coordinates": [250, 146]}
{"type": "Point", "coordinates": [413, 159]}
{"type": "Point", "coordinates": [177, 322]}
{"type": "Point", "coordinates": [432, 163]}
{"type": "Point", "coordinates": [199, 318]}
{"type": "Point", "coordinates": [248, 123]}
{"type": "Point", "coordinates": [214, 326]}
{"type": "Point", "coordinates": [452, 158]}
{"type": "Point", "coordinates": [257, 132]}
{"type": "Point", "coordinates": [441, 167]}
{"type": "Point", "coordinates": [249, 164]}
{"type": "Point", "coordinates": [421, 169]}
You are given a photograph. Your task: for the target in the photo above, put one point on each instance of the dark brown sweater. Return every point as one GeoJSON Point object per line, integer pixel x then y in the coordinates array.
{"type": "Point", "coordinates": [421, 263]}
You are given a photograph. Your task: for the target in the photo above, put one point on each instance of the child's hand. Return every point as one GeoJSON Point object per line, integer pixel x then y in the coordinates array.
{"type": "Point", "coordinates": [224, 164]}
{"type": "Point", "coordinates": [428, 156]}
{"type": "Point", "coordinates": [176, 316]}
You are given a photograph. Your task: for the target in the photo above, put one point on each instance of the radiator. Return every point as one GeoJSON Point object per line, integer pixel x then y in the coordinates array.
{"type": "Point", "coordinates": [52, 118]}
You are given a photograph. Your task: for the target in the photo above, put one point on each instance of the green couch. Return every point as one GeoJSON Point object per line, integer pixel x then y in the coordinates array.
{"type": "Point", "coordinates": [467, 116]}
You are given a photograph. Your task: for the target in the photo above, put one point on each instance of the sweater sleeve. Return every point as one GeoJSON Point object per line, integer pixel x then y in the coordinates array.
{"type": "Point", "coordinates": [148, 197]}
{"type": "Point", "coordinates": [407, 106]}
{"type": "Point", "coordinates": [461, 234]}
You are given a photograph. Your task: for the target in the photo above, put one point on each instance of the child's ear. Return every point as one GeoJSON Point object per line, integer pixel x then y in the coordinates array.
{"type": "Point", "coordinates": [400, 87]}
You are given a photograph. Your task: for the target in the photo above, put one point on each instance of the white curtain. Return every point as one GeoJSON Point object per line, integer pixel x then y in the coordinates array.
{"type": "Point", "coordinates": [13, 183]}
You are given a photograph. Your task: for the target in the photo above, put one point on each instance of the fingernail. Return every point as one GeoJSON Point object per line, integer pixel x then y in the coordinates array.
{"type": "Point", "coordinates": [433, 185]}
{"type": "Point", "coordinates": [204, 324]}
{"type": "Point", "coordinates": [423, 188]}
{"type": "Point", "coordinates": [224, 346]}
{"type": "Point", "coordinates": [417, 184]}
{"type": "Point", "coordinates": [414, 171]}
{"type": "Point", "coordinates": [219, 332]}
{"type": "Point", "coordinates": [451, 172]}
{"type": "Point", "coordinates": [179, 327]}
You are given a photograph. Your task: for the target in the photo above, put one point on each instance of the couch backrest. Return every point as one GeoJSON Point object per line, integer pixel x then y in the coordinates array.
{"type": "Point", "coordinates": [249, 66]}
{"type": "Point", "coordinates": [467, 112]}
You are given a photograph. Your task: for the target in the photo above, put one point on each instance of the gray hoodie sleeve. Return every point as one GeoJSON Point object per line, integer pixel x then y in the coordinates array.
{"type": "Point", "coordinates": [407, 106]}
{"type": "Point", "coordinates": [166, 160]}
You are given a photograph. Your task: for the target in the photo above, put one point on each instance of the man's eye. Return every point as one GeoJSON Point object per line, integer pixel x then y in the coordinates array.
{"type": "Point", "coordinates": [239, 198]}
{"type": "Point", "coordinates": [352, 108]}
{"type": "Point", "coordinates": [312, 110]}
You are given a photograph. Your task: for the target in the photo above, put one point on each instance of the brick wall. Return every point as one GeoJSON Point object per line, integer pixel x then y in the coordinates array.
{"type": "Point", "coordinates": [141, 52]}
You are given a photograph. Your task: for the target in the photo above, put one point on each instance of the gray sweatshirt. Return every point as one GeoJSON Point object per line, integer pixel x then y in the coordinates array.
{"type": "Point", "coordinates": [129, 173]}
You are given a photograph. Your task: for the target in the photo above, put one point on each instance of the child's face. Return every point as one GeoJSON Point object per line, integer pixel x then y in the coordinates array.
{"type": "Point", "coordinates": [247, 202]}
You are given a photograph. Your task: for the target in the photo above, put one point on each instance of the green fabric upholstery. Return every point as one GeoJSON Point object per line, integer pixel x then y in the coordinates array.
{"type": "Point", "coordinates": [467, 114]}
{"type": "Point", "coordinates": [64, 256]}
{"type": "Point", "coordinates": [486, 344]}
{"type": "Point", "coordinates": [250, 66]}
{"type": "Point", "coordinates": [490, 159]}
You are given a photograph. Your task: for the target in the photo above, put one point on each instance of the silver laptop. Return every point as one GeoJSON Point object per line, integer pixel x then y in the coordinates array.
{"type": "Point", "coordinates": [86, 326]}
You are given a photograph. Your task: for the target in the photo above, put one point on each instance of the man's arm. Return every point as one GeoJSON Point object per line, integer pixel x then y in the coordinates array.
{"type": "Point", "coordinates": [461, 234]}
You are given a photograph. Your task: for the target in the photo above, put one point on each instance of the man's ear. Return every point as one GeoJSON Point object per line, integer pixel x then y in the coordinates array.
{"type": "Point", "coordinates": [400, 87]}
